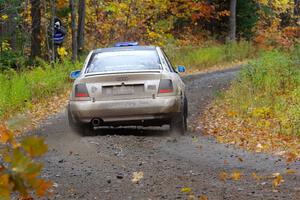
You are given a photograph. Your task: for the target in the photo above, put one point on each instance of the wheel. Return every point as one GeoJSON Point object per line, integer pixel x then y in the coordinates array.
{"type": "Point", "coordinates": [185, 111]}
{"type": "Point", "coordinates": [79, 128]}
{"type": "Point", "coordinates": [178, 124]}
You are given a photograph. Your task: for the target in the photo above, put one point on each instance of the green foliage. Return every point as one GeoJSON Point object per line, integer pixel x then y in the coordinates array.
{"type": "Point", "coordinates": [19, 89]}
{"type": "Point", "coordinates": [11, 59]}
{"type": "Point", "coordinates": [247, 17]}
{"type": "Point", "coordinates": [205, 57]}
{"type": "Point", "coordinates": [14, 28]}
{"type": "Point", "coordinates": [273, 73]}
{"type": "Point", "coordinates": [270, 88]}
{"type": "Point", "coordinates": [19, 172]}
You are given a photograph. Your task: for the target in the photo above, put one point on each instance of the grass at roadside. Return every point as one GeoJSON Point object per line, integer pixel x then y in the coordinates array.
{"type": "Point", "coordinates": [270, 88]}
{"type": "Point", "coordinates": [261, 111]}
{"type": "Point", "coordinates": [202, 58]}
{"type": "Point", "coordinates": [20, 90]}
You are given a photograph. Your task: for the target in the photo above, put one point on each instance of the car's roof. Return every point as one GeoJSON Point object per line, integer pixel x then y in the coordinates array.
{"type": "Point", "coordinates": [127, 48]}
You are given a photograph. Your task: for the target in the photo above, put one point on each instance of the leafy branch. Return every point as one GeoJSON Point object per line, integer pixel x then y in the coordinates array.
{"type": "Point", "coordinates": [19, 172]}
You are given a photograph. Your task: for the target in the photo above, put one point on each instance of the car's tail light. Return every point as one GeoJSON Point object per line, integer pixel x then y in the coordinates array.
{"type": "Point", "coordinates": [81, 90]}
{"type": "Point", "coordinates": [165, 86]}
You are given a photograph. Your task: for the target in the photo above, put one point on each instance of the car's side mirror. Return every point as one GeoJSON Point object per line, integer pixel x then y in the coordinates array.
{"type": "Point", "coordinates": [75, 74]}
{"type": "Point", "coordinates": [181, 69]}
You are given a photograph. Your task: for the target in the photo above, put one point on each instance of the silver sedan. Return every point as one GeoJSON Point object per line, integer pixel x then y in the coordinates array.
{"type": "Point", "coordinates": [128, 85]}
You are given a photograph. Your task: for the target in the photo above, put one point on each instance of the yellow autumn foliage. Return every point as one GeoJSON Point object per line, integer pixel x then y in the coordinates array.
{"type": "Point", "coordinates": [62, 3]}
{"type": "Point", "coordinates": [19, 172]}
{"type": "Point", "coordinates": [4, 17]}
{"type": "Point", "coordinates": [5, 46]}
{"type": "Point", "coordinates": [62, 52]}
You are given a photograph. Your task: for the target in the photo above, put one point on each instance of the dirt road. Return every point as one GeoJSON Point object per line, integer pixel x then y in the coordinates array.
{"type": "Point", "coordinates": [101, 166]}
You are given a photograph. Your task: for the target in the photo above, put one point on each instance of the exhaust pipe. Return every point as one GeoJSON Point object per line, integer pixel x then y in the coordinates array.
{"type": "Point", "coordinates": [96, 122]}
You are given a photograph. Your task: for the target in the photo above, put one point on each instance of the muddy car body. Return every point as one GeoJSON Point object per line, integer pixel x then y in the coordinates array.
{"type": "Point", "coordinates": [128, 85]}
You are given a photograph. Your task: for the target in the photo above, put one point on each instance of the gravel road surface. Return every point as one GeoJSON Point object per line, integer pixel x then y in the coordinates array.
{"type": "Point", "coordinates": [102, 166]}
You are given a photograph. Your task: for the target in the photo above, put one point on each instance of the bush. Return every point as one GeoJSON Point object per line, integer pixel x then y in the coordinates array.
{"type": "Point", "coordinates": [12, 59]}
{"type": "Point", "coordinates": [19, 89]}
{"type": "Point", "coordinates": [270, 84]}
{"type": "Point", "coordinates": [204, 57]}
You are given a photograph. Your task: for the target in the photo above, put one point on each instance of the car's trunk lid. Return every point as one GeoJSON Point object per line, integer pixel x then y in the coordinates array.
{"type": "Point", "coordinates": [117, 86]}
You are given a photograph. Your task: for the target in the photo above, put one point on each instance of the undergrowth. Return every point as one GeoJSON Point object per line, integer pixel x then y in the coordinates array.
{"type": "Point", "coordinates": [269, 88]}
{"type": "Point", "coordinates": [200, 58]}
{"type": "Point", "coordinates": [19, 90]}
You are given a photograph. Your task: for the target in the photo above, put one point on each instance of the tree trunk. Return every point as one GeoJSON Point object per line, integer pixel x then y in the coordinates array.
{"type": "Point", "coordinates": [297, 8]}
{"type": "Point", "coordinates": [12, 30]}
{"type": "Point", "coordinates": [232, 20]}
{"type": "Point", "coordinates": [81, 24]}
{"type": "Point", "coordinates": [50, 34]}
{"type": "Point", "coordinates": [74, 33]}
{"type": "Point", "coordinates": [35, 28]}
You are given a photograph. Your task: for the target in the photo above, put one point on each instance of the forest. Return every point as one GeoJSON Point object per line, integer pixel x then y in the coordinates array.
{"type": "Point", "coordinates": [26, 27]}
{"type": "Point", "coordinates": [42, 41]}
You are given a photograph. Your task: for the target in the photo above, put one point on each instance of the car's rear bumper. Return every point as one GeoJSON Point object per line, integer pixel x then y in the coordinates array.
{"type": "Point", "coordinates": [125, 110]}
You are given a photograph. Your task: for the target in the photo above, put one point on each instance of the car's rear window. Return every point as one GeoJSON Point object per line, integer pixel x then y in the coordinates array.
{"type": "Point", "coordinates": [124, 61]}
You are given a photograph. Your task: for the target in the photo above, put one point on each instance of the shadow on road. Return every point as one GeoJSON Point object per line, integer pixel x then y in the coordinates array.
{"type": "Point", "coordinates": [134, 131]}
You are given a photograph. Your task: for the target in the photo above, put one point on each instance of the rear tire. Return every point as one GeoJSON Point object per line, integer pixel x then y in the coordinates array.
{"type": "Point", "coordinates": [177, 124]}
{"type": "Point", "coordinates": [185, 111]}
{"type": "Point", "coordinates": [79, 128]}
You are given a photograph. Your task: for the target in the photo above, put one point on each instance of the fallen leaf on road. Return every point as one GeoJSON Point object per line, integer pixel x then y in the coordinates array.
{"type": "Point", "coordinates": [137, 176]}
{"type": "Point", "coordinates": [186, 190]}
{"type": "Point", "coordinates": [291, 157]}
{"type": "Point", "coordinates": [278, 180]}
{"type": "Point", "coordinates": [274, 175]}
{"type": "Point", "coordinates": [291, 171]}
{"type": "Point", "coordinates": [255, 176]}
{"type": "Point", "coordinates": [223, 176]}
{"type": "Point", "coordinates": [235, 175]}
{"type": "Point", "coordinates": [203, 198]}
{"type": "Point", "coordinates": [4, 137]}
{"type": "Point", "coordinates": [232, 113]}
{"type": "Point", "coordinates": [280, 153]}
{"type": "Point", "coordinates": [194, 139]}
{"type": "Point", "coordinates": [259, 148]}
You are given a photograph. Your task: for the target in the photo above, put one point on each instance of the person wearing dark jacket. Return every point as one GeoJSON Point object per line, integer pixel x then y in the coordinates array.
{"type": "Point", "coordinates": [57, 34]}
